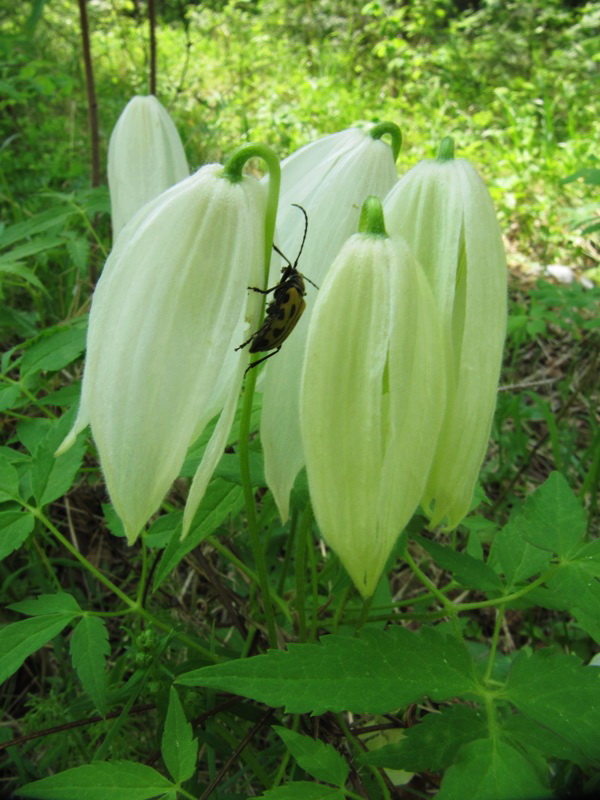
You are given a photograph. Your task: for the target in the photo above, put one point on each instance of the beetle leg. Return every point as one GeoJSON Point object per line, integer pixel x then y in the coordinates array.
{"type": "Point", "coordinates": [260, 360]}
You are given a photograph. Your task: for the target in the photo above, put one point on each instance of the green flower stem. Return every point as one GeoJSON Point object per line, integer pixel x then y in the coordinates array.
{"type": "Point", "coordinates": [508, 598]}
{"type": "Point", "coordinates": [301, 573]}
{"type": "Point", "coordinates": [371, 220]}
{"type": "Point", "coordinates": [245, 569]}
{"type": "Point", "coordinates": [446, 151]}
{"type": "Point", "coordinates": [377, 131]}
{"type": "Point", "coordinates": [354, 741]}
{"type": "Point", "coordinates": [494, 645]}
{"type": "Point", "coordinates": [233, 172]}
{"type": "Point", "coordinates": [448, 606]}
{"type": "Point", "coordinates": [132, 605]}
{"type": "Point", "coordinates": [364, 614]}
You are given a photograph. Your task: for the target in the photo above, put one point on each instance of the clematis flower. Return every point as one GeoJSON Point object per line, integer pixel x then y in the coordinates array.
{"type": "Point", "coordinates": [330, 179]}
{"type": "Point", "coordinates": [145, 157]}
{"type": "Point", "coordinates": [372, 397]}
{"type": "Point", "coordinates": [169, 309]}
{"type": "Point", "coordinates": [445, 212]}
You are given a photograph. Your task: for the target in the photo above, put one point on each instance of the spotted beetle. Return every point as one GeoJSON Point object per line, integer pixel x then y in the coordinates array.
{"type": "Point", "coordinates": [286, 308]}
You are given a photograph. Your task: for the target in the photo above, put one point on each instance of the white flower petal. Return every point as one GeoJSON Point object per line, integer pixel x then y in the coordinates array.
{"type": "Point", "coordinates": [167, 310]}
{"type": "Point", "coordinates": [372, 400]}
{"type": "Point", "coordinates": [446, 214]}
{"type": "Point", "coordinates": [145, 157]}
{"type": "Point", "coordinates": [330, 179]}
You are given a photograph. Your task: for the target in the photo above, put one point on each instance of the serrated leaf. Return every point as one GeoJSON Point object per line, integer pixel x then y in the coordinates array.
{"type": "Point", "coordinates": [559, 693]}
{"type": "Point", "coordinates": [221, 500]}
{"type": "Point", "coordinates": [513, 556]}
{"type": "Point", "coordinates": [9, 396]}
{"type": "Point", "coordinates": [114, 780]}
{"type": "Point", "coordinates": [573, 585]}
{"type": "Point", "coordinates": [51, 218]}
{"type": "Point", "coordinates": [433, 743]}
{"type": "Point", "coordinates": [319, 759]}
{"type": "Point", "coordinates": [54, 348]}
{"type": "Point", "coordinates": [89, 648]}
{"type": "Point", "coordinates": [44, 604]}
{"type": "Point", "coordinates": [20, 639]}
{"type": "Point", "coordinates": [21, 271]}
{"type": "Point", "coordinates": [179, 748]}
{"type": "Point", "coordinates": [552, 518]}
{"type": "Point", "coordinates": [468, 571]}
{"type": "Point", "coordinates": [529, 735]}
{"type": "Point", "coordinates": [36, 245]}
{"type": "Point", "coordinates": [303, 790]}
{"type": "Point", "coordinates": [376, 673]}
{"type": "Point", "coordinates": [492, 770]}
{"type": "Point", "coordinates": [15, 527]}
{"type": "Point", "coordinates": [9, 480]}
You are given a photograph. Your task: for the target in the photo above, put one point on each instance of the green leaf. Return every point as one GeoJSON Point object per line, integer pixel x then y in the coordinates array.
{"type": "Point", "coordinates": [492, 770]}
{"type": "Point", "coordinates": [221, 500]}
{"type": "Point", "coordinates": [9, 396]}
{"type": "Point", "coordinates": [576, 588]}
{"type": "Point", "coordinates": [380, 672]}
{"type": "Point", "coordinates": [15, 527]}
{"type": "Point", "coordinates": [43, 604]}
{"type": "Point", "coordinates": [303, 790]}
{"type": "Point", "coordinates": [320, 760]}
{"type": "Point", "coordinates": [179, 748]}
{"type": "Point", "coordinates": [552, 518]}
{"type": "Point", "coordinates": [513, 556]}
{"type": "Point", "coordinates": [20, 639]}
{"type": "Point", "coordinates": [89, 648]}
{"type": "Point", "coordinates": [9, 267]}
{"type": "Point", "coordinates": [54, 348]}
{"type": "Point", "coordinates": [9, 480]}
{"type": "Point", "coordinates": [114, 780]}
{"type": "Point", "coordinates": [561, 694]}
{"type": "Point", "coordinates": [433, 743]}
{"type": "Point", "coordinates": [529, 735]}
{"type": "Point", "coordinates": [468, 571]}
{"type": "Point", "coordinates": [51, 218]}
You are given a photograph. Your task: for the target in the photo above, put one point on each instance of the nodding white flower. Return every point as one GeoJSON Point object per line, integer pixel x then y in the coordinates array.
{"type": "Point", "coordinates": [445, 212]}
{"type": "Point", "coordinates": [169, 309]}
{"type": "Point", "coordinates": [372, 399]}
{"type": "Point", "coordinates": [145, 157]}
{"type": "Point", "coordinates": [330, 179]}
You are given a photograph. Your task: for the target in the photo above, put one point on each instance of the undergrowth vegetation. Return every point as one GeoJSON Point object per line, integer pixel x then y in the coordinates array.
{"type": "Point", "coordinates": [513, 84]}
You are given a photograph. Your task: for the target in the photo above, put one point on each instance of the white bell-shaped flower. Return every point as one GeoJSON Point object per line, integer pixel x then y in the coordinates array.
{"type": "Point", "coordinates": [145, 157]}
{"type": "Point", "coordinates": [169, 309]}
{"type": "Point", "coordinates": [372, 399]}
{"type": "Point", "coordinates": [444, 211]}
{"type": "Point", "coordinates": [330, 179]}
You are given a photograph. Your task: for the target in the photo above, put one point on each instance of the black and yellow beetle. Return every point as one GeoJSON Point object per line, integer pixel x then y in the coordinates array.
{"type": "Point", "coordinates": [286, 308]}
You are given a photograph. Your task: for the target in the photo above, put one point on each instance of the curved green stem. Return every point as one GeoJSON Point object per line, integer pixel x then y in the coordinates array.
{"type": "Point", "coordinates": [379, 130]}
{"type": "Point", "coordinates": [371, 220]}
{"type": "Point", "coordinates": [132, 605]}
{"type": "Point", "coordinates": [446, 151]}
{"type": "Point", "coordinates": [233, 172]}
{"type": "Point", "coordinates": [448, 605]}
{"type": "Point", "coordinates": [494, 645]}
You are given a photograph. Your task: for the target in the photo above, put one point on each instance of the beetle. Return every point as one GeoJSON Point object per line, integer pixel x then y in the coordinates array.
{"type": "Point", "coordinates": [286, 308]}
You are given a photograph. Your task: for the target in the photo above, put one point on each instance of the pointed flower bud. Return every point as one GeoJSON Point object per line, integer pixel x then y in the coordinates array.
{"type": "Point", "coordinates": [330, 179]}
{"type": "Point", "coordinates": [167, 314]}
{"type": "Point", "coordinates": [372, 397]}
{"type": "Point", "coordinates": [145, 157]}
{"type": "Point", "coordinates": [445, 212]}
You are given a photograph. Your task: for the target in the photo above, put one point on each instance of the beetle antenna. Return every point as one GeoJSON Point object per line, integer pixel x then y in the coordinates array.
{"type": "Point", "coordinates": [305, 231]}
{"type": "Point", "coordinates": [285, 258]}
